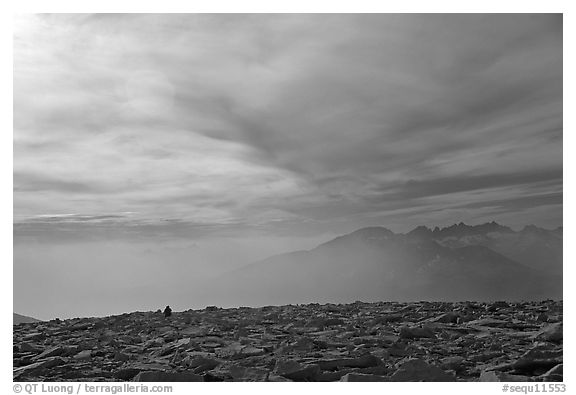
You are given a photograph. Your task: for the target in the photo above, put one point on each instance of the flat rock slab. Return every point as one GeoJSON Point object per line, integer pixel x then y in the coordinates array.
{"type": "Point", "coordinates": [503, 377]}
{"type": "Point", "coordinates": [538, 358]}
{"type": "Point", "coordinates": [38, 366]}
{"type": "Point", "coordinates": [419, 370]}
{"type": "Point", "coordinates": [552, 333]}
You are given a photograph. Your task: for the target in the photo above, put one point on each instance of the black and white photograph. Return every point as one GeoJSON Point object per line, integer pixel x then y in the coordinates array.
{"type": "Point", "coordinates": [288, 197]}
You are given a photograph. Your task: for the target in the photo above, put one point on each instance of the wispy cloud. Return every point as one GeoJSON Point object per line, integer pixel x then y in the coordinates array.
{"type": "Point", "coordinates": [287, 122]}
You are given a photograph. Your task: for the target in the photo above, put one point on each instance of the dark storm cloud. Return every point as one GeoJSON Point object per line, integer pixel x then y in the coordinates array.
{"type": "Point", "coordinates": [287, 120]}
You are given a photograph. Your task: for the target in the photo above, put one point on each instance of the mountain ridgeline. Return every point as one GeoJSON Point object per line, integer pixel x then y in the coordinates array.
{"type": "Point", "coordinates": [22, 319]}
{"type": "Point", "coordinates": [461, 262]}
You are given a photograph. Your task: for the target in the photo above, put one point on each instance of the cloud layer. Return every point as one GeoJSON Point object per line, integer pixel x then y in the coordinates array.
{"type": "Point", "coordinates": [190, 124]}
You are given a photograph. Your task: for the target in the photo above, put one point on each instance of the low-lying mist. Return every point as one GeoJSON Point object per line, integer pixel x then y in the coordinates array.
{"type": "Point", "coordinates": [98, 278]}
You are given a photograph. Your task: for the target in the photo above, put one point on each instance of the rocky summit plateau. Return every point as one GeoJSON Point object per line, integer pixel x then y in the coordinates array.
{"type": "Point", "coordinates": [382, 341]}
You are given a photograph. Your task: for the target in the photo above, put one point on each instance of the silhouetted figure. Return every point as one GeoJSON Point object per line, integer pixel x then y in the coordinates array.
{"type": "Point", "coordinates": [167, 312]}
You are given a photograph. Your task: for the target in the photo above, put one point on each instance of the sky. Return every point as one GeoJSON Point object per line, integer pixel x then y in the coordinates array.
{"type": "Point", "coordinates": [261, 133]}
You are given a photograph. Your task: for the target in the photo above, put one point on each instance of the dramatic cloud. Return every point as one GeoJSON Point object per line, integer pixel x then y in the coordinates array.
{"type": "Point", "coordinates": [285, 124]}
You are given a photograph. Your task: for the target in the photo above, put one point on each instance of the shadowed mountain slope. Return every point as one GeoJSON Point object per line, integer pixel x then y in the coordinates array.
{"type": "Point", "coordinates": [371, 264]}
{"type": "Point", "coordinates": [22, 319]}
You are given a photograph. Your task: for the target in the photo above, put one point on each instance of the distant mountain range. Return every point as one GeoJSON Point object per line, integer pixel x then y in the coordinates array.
{"type": "Point", "coordinates": [459, 262]}
{"type": "Point", "coordinates": [21, 319]}
{"type": "Point", "coordinates": [535, 247]}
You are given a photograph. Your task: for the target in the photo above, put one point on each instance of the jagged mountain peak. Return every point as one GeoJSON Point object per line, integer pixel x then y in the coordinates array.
{"type": "Point", "coordinates": [533, 229]}
{"type": "Point", "coordinates": [376, 263]}
{"type": "Point", "coordinates": [458, 230]}
{"type": "Point", "coordinates": [421, 231]}
{"type": "Point", "coordinates": [461, 229]}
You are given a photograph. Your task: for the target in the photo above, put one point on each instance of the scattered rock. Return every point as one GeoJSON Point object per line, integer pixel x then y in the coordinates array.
{"type": "Point", "coordinates": [447, 318]}
{"type": "Point", "coordinates": [538, 360]}
{"type": "Point", "coordinates": [168, 377]}
{"type": "Point", "coordinates": [418, 370]}
{"type": "Point", "coordinates": [489, 322]}
{"type": "Point", "coordinates": [241, 373]}
{"type": "Point", "coordinates": [295, 371]}
{"type": "Point", "coordinates": [551, 333]}
{"type": "Point", "coordinates": [493, 307]}
{"type": "Point", "coordinates": [542, 317]}
{"type": "Point", "coordinates": [383, 341]}
{"type": "Point", "coordinates": [554, 374]}
{"type": "Point", "coordinates": [363, 361]}
{"type": "Point", "coordinates": [120, 356]}
{"type": "Point", "coordinates": [486, 356]}
{"type": "Point", "coordinates": [83, 355]}
{"type": "Point", "coordinates": [201, 364]}
{"type": "Point", "coordinates": [126, 374]}
{"type": "Point", "coordinates": [250, 351]}
{"type": "Point", "coordinates": [398, 349]}
{"type": "Point", "coordinates": [27, 347]}
{"type": "Point", "coordinates": [455, 363]}
{"type": "Point", "coordinates": [416, 332]}
{"type": "Point", "coordinates": [38, 367]}
{"type": "Point", "coordinates": [51, 352]}
{"type": "Point", "coordinates": [501, 376]}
